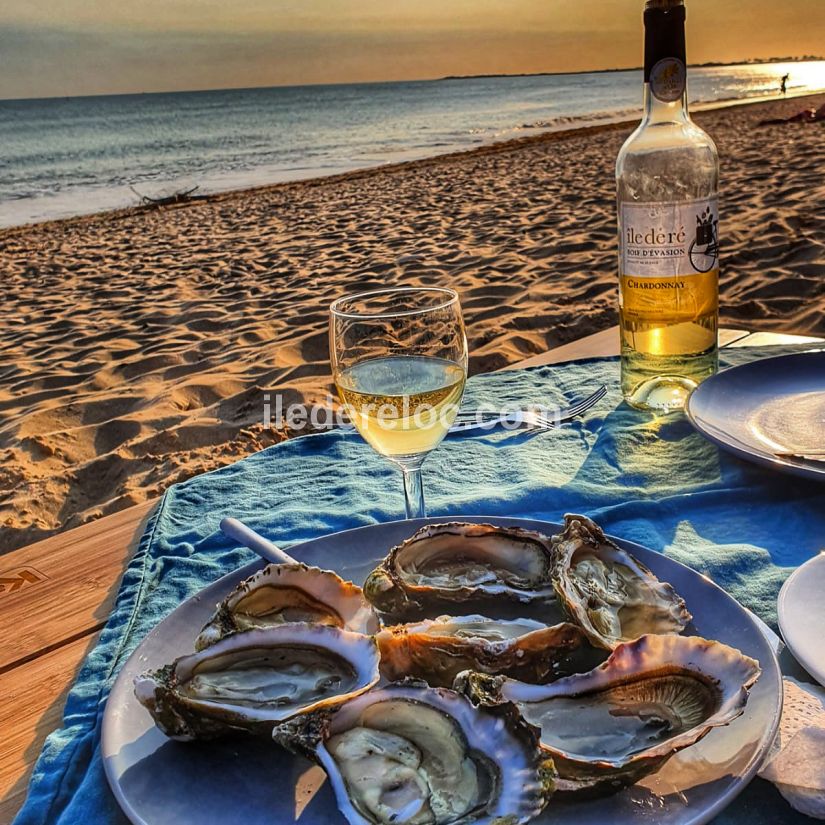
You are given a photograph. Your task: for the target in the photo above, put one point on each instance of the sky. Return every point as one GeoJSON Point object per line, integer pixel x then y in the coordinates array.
{"type": "Point", "coordinates": [75, 47]}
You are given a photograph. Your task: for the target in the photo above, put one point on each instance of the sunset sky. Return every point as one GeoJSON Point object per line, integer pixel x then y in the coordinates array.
{"type": "Point", "coordinates": [72, 47]}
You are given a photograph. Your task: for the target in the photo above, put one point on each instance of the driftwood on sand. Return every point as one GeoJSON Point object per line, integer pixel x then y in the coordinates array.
{"type": "Point", "coordinates": [182, 196]}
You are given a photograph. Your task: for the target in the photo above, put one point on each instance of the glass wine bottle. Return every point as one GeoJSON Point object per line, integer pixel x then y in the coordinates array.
{"type": "Point", "coordinates": [667, 176]}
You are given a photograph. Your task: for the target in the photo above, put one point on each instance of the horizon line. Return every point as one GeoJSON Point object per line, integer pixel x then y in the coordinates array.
{"type": "Point", "coordinates": [483, 76]}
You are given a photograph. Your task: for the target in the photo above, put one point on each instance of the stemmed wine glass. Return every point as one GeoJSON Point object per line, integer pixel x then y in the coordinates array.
{"type": "Point", "coordinates": [399, 361]}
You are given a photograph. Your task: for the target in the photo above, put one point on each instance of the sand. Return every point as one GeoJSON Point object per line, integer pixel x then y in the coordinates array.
{"type": "Point", "coordinates": [136, 346]}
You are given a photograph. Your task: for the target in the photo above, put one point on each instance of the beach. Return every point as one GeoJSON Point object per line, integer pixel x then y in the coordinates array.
{"type": "Point", "coordinates": [138, 345]}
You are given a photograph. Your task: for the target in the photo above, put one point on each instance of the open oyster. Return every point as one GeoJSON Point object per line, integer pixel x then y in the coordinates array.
{"type": "Point", "coordinates": [621, 721]}
{"type": "Point", "coordinates": [282, 593]}
{"type": "Point", "coordinates": [252, 680]}
{"type": "Point", "coordinates": [412, 754]}
{"type": "Point", "coordinates": [611, 595]}
{"type": "Point", "coordinates": [437, 651]}
{"type": "Point", "coordinates": [447, 563]}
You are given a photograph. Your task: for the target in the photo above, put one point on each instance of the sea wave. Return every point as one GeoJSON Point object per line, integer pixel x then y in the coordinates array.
{"type": "Point", "coordinates": [75, 155]}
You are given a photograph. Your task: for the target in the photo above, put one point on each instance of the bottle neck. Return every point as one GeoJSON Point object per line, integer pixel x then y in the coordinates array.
{"type": "Point", "coordinates": [665, 64]}
{"type": "Point", "coordinates": [659, 111]}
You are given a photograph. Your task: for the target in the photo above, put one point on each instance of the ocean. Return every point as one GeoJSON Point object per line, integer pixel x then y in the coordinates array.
{"type": "Point", "coordinates": [69, 156]}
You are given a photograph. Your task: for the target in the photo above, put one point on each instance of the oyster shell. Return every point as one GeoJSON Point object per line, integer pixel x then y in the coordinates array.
{"type": "Point", "coordinates": [252, 680]}
{"type": "Point", "coordinates": [611, 595]}
{"type": "Point", "coordinates": [621, 721]}
{"type": "Point", "coordinates": [447, 563]}
{"type": "Point", "coordinates": [438, 650]}
{"type": "Point", "coordinates": [282, 593]}
{"type": "Point", "coordinates": [412, 754]}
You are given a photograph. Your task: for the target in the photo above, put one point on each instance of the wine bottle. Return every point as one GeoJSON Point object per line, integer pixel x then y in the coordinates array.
{"type": "Point", "coordinates": [667, 176]}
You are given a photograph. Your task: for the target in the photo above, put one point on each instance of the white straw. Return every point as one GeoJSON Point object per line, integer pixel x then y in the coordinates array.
{"type": "Point", "coordinates": [246, 536]}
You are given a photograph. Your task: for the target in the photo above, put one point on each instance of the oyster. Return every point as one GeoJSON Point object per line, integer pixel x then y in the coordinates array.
{"type": "Point", "coordinates": [282, 593]}
{"type": "Point", "coordinates": [252, 680]}
{"type": "Point", "coordinates": [621, 721]}
{"type": "Point", "coordinates": [611, 595]}
{"type": "Point", "coordinates": [447, 563]}
{"type": "Point", "coordinates": [412, 754]}
{"type": "Point", "coordinates": [439, 650]}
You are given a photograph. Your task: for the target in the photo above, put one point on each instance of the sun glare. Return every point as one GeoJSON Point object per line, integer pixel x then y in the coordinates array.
{"type": "Point", "coordinates": [802, 77]}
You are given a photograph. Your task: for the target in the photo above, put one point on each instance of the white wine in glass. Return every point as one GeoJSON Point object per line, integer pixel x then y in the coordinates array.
{"type": "Point", "coordinates": [399, 360]}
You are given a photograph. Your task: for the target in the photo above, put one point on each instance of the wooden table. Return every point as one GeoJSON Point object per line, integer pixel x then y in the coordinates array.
{"type": "Point", "coordinates": [55, 597]}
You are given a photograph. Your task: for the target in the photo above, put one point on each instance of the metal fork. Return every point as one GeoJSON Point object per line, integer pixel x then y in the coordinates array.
{"type": "Point", "coordinates": [531, 419]}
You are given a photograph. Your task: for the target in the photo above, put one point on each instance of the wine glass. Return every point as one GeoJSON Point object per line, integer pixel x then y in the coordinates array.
{"type": "Point", "coordinates": [399, 361]}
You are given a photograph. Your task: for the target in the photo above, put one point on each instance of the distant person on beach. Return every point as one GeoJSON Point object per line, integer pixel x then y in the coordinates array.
{"type": "Point", "coordinates": [784, 84]}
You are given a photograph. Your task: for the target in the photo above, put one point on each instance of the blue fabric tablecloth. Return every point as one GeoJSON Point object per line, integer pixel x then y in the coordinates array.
{"type": "Point", "coordinates": [654, 481]}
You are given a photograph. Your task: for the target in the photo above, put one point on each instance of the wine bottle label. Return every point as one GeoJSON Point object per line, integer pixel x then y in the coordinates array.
{"type": "Point", "coordinates": [664, 240]}
{"type": "Point", "coordinates": [667, 79]}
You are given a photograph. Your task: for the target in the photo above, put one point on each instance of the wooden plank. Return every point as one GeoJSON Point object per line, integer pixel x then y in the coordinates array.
{"type": "Point", "coordinates": [603, 344]}
{"type": "Point", "coordinates": [61, 588]}
{"type": "Point", "coordinates": [599, 344]}
{"type": "Point", "coordinates": [729, 337]}
{"type": "Point", "coordinates": [776, 339]}
{"type": "Point", "coordinates": [33, 696]}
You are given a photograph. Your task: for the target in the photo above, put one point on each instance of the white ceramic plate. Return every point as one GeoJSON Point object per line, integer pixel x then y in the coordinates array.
{"type": "Point", "coordinates": [802, 615]}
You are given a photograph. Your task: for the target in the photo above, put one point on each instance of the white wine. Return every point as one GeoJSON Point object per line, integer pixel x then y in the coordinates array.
{"type": "Point", "coordinates": [667, 176]}
{"type": "Point", "coordinates": [402, 405]}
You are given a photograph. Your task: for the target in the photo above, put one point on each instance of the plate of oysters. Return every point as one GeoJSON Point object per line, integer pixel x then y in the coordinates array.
{"type": "Point", "coordinates": [477, 671]}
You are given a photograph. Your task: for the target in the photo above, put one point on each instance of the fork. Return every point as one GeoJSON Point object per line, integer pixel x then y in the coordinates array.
{"type": "Point", "coordinates": [533, 419]}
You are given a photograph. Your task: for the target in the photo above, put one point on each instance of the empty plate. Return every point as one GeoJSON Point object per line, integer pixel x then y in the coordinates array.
{"type": "Point", "coordinates": [770, 411]}
{"type": "Point", "coordinates": [802, 616]}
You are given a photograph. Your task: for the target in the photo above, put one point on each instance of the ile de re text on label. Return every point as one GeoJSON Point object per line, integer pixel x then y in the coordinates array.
{"type": "Point", "coordinates": [656, 237]}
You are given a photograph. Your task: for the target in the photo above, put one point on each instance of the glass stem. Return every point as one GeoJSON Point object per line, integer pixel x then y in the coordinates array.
{"type": "Point", "coordinates": [413, 491]}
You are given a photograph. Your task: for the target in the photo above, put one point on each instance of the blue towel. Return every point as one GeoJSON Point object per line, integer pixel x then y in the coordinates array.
{"type": "Point", "coordinates": [656, 482]}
